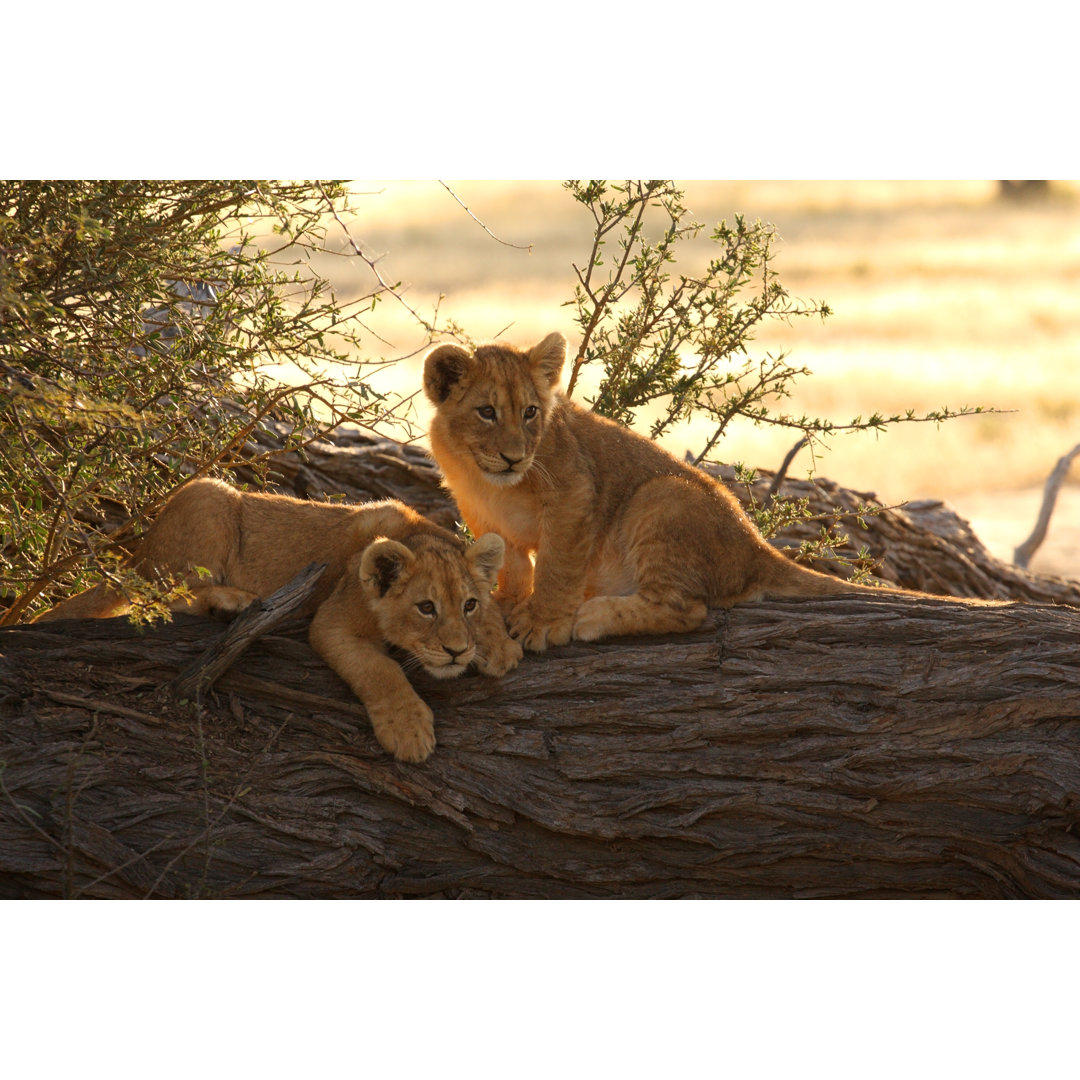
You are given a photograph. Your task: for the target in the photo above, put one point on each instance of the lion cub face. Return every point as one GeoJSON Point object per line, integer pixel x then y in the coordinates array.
{"type": "Point", "coordinates": [428, 597]}
{"type": "Point", "coordinates": [493, 403]}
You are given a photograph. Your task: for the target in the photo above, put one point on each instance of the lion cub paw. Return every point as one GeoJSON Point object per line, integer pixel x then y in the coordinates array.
{"type": "Point", "coordinates": [406, 730]}
{"type": "Point", "coordinates": [592, 620]}
{"type": "Point", "coordinates": [497, 654]}
{"type": "Point", "coordinates": [218, 601]}
{"type": "Point", "coordinates": [536, 631]}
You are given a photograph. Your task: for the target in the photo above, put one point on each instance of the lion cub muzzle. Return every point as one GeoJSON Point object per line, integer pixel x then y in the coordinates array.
{"type": "Point", "coordinates": [451, 664]}
{"type": "Point", "coordinates": [507, 471]}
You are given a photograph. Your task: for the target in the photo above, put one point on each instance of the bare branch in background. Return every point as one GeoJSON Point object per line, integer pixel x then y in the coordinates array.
{"type": "Point", "coordinates": [778, 479]}
{"type": "Point", "coordinates": [373, 263]}
{"type": "Point", "coordinates": [505, 243]}
{"type": "Point", "coordinates": [1023, 554]}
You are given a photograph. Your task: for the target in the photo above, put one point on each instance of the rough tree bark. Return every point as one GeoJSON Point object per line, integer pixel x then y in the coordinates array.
{"type": "Point", "coordinates": [848, 747]}
{"type": "Point", "coordinates": [840, 748]}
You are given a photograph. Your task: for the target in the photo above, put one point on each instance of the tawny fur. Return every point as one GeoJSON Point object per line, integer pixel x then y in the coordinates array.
{"type": "Point", "coordinates": [626, 538]}
{"type": "Point", "coordinates": [392, 577]}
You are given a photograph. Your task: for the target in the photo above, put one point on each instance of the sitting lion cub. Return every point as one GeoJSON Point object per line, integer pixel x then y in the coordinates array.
{"type": "Point", "coordinates": [627, 539]}
{"type": "Point", "coordinates": [391, 576]}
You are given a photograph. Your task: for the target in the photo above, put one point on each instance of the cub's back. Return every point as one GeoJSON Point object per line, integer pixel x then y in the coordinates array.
{"type": "Point", "coordinates": [619, 460]}
{"type": "Point", "coordinates": [282, 534]}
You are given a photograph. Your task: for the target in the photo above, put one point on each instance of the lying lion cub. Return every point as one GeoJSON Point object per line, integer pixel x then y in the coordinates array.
{"type": "Point", "coordinates": [391, 576]}
{"type": "Point", "coordinates": [627, 539]}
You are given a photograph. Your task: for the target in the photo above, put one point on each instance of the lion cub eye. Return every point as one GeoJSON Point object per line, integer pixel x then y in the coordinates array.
{"type": "Point", "coordinates": [426, 607]}
{"type": "Point", "coordinates": [487, 412]}
{"type": "Point", "coordinates": [530, 412]}
{"type": "Point", "coordinates": [471, 605]}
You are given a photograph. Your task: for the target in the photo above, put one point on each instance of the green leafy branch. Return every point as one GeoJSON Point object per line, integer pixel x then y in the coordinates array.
{"type": "Point", "coordinates": [676, 343]}
{"type": "Point", "coordinates": [147, 330]}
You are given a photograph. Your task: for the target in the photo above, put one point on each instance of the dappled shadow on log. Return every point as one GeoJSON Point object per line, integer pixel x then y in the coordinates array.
{"type": "Point", "coordinates": [830, 748]}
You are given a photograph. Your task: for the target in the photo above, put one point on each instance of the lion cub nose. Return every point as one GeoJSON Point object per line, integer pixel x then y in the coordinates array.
{"type": "Point", "coordinates": [453, 653]}
{"type": "Point", "coordinates": [511, 462]}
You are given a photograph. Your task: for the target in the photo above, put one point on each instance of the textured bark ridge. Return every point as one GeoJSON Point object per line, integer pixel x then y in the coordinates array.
{"type": "Point", "coordinates": [839, 748]}
{"type": "Point", "coordinates": [849, 747]}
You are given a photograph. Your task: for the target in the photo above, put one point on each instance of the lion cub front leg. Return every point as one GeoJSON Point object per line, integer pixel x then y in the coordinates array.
{"type": "Point", "coordinates": [515, 578]}
{"type": "Point", "coordinates": [496, 651]}
{"type": "Point", "coordinates": [403, 724]}
{"type": "Point", "coordinates": [547, 616]}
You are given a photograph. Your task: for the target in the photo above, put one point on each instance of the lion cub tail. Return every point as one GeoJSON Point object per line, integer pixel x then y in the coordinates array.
{"type": "Point", "coordinates": [787, 578]}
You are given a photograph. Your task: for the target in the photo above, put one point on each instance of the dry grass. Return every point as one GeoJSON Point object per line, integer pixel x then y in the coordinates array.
{"type": "Point", "coordinates": [943, 295]}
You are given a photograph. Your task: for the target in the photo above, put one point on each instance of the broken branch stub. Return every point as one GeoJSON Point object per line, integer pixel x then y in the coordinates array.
{"type": "Point", "coordinates": [260, 617]}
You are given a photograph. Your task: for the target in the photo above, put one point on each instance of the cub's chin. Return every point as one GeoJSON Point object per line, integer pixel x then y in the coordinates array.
{"type": "Point", "coordinates": [504, 478]}
{"type": "Point", "coordinates": [447, 671]}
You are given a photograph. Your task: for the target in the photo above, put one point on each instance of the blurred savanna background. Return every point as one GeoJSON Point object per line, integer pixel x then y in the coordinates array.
{"type": "Point", "coordinates": [944, 294]}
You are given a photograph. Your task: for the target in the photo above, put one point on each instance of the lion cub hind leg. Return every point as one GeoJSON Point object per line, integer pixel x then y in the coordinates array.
{"type": "Point", "coordinates": [100, 602]}
{"type": "Point", "coordinates": [221, 601]}
{"type": "Point", "coordinates": [652, 577]}
{"type": "Point", "coordinates": [614, 616]}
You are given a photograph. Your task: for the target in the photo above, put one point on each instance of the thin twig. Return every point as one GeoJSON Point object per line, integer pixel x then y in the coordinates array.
{"type": "Point", "coordinates": [357, 250]}
{"type": "Point", "coordinates": [505, 243]}
{"type": "Point", "coordinates": [600, 305]}
{"type": "Point", "coordinates": [99, 706]}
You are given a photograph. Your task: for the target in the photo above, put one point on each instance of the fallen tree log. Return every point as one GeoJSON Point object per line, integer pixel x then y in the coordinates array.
{"type": "Point", "coordinates": [850, 747]}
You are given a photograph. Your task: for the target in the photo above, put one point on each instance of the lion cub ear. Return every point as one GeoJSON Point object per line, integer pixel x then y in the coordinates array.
{"type": "Point", "coordinates": [548, 357]}
{"type": "Point", "coordinates": [485, 557]}
{"type": "Point", "coordinates": [443, 368]}
{"type": "Point", "coordinates": [382, 563]}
